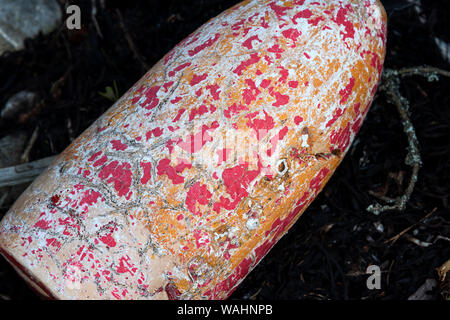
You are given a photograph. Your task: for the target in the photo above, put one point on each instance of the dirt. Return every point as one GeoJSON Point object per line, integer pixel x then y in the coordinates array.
{"type": "Point", "coordinates": [326, 254]}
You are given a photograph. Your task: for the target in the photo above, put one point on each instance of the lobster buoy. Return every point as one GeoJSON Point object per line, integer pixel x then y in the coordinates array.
{"type": "Point", "coordinates": [189, 179]}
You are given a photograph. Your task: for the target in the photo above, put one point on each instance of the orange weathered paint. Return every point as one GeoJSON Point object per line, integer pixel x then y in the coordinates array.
{"type": "Point", "coordinates": [184, 185]}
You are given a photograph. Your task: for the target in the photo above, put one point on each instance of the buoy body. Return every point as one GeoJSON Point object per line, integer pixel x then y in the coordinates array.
{"type": "Point", "coordinates": [187, 181]}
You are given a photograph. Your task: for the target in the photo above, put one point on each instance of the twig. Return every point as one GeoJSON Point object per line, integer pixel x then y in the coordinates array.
{"type": "Point", "coordinates": [390, 83]}
{"type": "Point", "coordinates": [395, 238]}
{"type": "Point", "coordinates": [425, 71]}
{"type": "Point", "coordinates": [131, 43]}
{"type": "Point", "coordinates": [253, 296]}
{"type": "Point", "coordinates": [417, 241]}
{"type": "Point", "coordinates": [94, 17]}
{"type": "Point", "coordinates": [23, 173]}
{"type": "Point", "coordinates": [439, 237]}
{"type": "Point", "coordinates": [26, 154]}
{"type": "Point", "coordinates": [389, 272]}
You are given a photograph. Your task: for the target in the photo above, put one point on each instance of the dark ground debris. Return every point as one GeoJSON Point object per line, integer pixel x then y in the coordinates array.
{"type": "Point", "coordinates": [326, 253]}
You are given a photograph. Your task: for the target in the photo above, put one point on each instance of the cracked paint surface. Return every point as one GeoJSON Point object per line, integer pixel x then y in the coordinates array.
{"type": "Point", "coordinates": [185, 184]}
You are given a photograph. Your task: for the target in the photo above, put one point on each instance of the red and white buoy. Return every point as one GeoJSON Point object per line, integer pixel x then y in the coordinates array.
{"type": "Point", "coordinates": [187, 181]}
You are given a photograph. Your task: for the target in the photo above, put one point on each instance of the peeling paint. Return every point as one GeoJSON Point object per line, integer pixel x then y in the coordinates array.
{"type": "Point", "coordinates": [182, 187]}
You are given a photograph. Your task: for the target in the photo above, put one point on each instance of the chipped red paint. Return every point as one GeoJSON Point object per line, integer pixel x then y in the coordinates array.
{"type": "Point", "coordinates": [281, 99]}
{"type": "Point", "coordinates": [108, 240]}
{"type": "Point", "coordinates": [260, 126]}
{"type": "Point", "coordinates": [157, 132]}
{"type": "Point", "coordinates": [315, 21]}
{"type": "Point", "coordinates": [89, 197]}
{"type": "Point", "coordinates": [179, 114]}
{"type": "Point", "coordinates": [293, 84]}
{"type": "Point", "coordinates": [119, 174]}
{"type": "Point", "coordinates": [277, 50]}
{"type": "Point", "coordinates": [198, 78]}
{"type": "Point", "coordinates": [200, 111]}
{"type": "Point", "coordinates": [55, 199]}
{"type": "Point", "coordinates": [292, 34]}
{"type": "Point", "coordinates": [172, 291]}
{"type": "Point", "coordinates": [237, 179]}
{"type": "Point", "coordinates": [336, 114]}
{"type": "Point", "coordinates": [340, 138]}
{"type": "Point", "coordinates": [206, 44]}
{"type": "Point", "coordinates": [345, 93]}
{"type": "Point", "coordinates": [179, 68]}
{"type": "Point", "coordinates": [298, 120]}
{"type": "Point", "coordinates": [147, 172]}
{"type": "Point", "coordinates": [187, 182]}
{"type": "Point", "coordinates": [254, 58]}
{"type": "Point", "coordinates": [348, 25]}
{"type": "Point", "coordinates": [100, 161]}
{"type": "Point", "coordinates": [302, 14]}
{"type": "Point", "coordinates": [265, 83]}
{"type": "Point", "coordinates": [126, 266]}
{"type": "Point", "coordinates": [280, 11]}
{"type": "Point", "coordinates": [151, 99]}
{"type": "Point", "coordinates": [167, 85]}
{"type": "Point", "coordinates": [42, 224]}
{"type": "Point", "coordinates": [316, 182]}
{"type": "Point", "coordinates": [118, 145]}
{"type": "Point", "coordinates": [198, 193]}
{"type": "Point", "coordinates": [164, 168]}
{"type": "Point", "coordinates": [248, 43]}
{"type": "Point", "coordinates": [214, 89]}
{"type": "Point", "coordinates": [251, 92]}
{"type": "Point", "coordinates": [234, 110]}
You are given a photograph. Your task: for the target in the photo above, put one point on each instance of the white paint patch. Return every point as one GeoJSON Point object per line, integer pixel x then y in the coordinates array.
{"type": "Point", "coordinates": [304, 141]}
{"type": "Point", "coordinates": [252, 223]}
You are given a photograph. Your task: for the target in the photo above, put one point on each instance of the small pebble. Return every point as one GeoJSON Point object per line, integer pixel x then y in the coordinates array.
{"type": "Point", "coordinates": [19, 103]}
{"type": "Point", "coordinates": [379, 226]}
